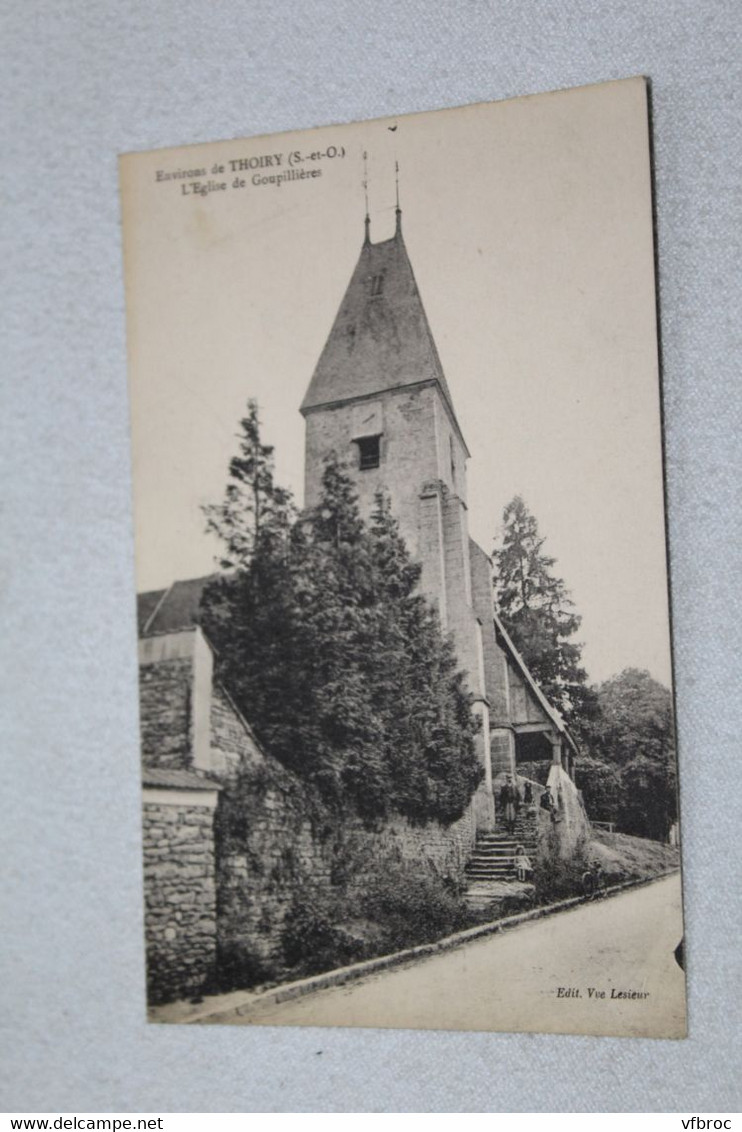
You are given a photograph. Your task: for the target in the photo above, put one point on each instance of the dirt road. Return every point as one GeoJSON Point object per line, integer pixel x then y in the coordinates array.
{"type": "Point", "coordinates": [606, 968]}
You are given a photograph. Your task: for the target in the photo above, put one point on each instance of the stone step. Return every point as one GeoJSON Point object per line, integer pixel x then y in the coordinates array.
{"type": "Point", "coordinates": [490, 862]}
{"type": "Point", "coordinates": [503, 846]}
{"type": "Point", "coordinates": [493, 856]}
{"type": "Point", "coordinates": [515, 842]}
{"type": "Point", "coordinates": [502, 874]}
{"type": "Point", "coordinates": [499, 840]}
{"type": "Point", "coordinates": [490, 866]}
{"type": "Point", "coordinates": [505, 867]}
{"type": "Point", "coordinates": [519, 831]}
{"type": "Point", "coordinates": [506, 838]}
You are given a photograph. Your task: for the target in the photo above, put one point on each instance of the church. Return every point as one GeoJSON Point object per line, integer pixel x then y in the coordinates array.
{"type": "Point", "coordinates": [379, 400]}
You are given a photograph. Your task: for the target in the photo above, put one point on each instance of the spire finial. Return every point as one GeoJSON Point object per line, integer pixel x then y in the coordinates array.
{"type": "Point", "coordinates": [367, 219]}
{"type": "Point", "coordinates": [397, 210]}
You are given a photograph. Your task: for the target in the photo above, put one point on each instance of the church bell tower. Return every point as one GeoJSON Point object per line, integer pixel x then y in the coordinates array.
{"type": "Point", "coordinates": [379, 399]}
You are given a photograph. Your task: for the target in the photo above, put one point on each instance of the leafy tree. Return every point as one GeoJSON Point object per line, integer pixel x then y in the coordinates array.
{"type": "Point", "coordinates": [635, 713]}
{"type": "Point", "coordinates": [600, 785]}
{"type": "Point", "coordinates": [633, 737]}
{"type": "Point", "coordinates": [538, 612]}
{"type": "Point", "coordinates": [332, 654]}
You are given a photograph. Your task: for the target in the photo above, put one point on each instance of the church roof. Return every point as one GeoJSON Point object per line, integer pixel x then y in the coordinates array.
{"type": "Point", "coordinates": [380, 339]}
{"type": "Point", "coordinates": [505, 641]}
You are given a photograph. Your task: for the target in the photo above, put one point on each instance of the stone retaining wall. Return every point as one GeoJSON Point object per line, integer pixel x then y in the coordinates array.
{"type": "Point", "coordinates": [180, 892]}
{"type": "Point", "coordinates": [278, 852]}
{"type": "Point", "coordinates": [226, 885]}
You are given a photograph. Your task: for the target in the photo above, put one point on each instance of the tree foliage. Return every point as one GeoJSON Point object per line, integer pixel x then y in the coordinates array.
{"type": "Point", "coordinates": [626, 769]}
{"type": "Point", "coordinates": [254, 506]}
{"type": "Point", "coordinates": [630, 776]}
{"type": "Point", "coordinates": [330, 651]}
{"type": "Point", "coordinates": [538, 613]}
{"type": "Point", "coordinates": [600, 784]}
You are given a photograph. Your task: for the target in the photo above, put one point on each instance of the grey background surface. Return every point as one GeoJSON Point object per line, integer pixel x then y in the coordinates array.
{"type": "Point", "coordinates": [86, 81]}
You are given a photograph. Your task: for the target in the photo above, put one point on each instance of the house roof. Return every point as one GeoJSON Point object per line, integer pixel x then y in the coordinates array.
{"type": "Point", "coordinates": [381, 338]}
{"type": "Point", "coordinates": [166, 611]}
{"type": "Point", "coordinates": [146, 605]}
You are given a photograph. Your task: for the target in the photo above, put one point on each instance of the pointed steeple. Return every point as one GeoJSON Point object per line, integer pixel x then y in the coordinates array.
{"type": "Point", "coordinates": [381, 338]}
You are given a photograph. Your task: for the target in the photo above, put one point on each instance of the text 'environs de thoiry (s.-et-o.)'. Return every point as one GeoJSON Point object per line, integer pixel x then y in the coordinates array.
{"type": "Point", "coordinates": [264, 170]}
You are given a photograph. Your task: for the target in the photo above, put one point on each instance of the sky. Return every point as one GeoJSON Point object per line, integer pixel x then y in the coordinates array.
{"type": "Point", "coordinates": [529, 228]}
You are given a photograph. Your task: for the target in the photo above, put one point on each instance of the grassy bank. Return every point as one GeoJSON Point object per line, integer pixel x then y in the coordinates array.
{"type": "Point", "coordinates": [623, 857]}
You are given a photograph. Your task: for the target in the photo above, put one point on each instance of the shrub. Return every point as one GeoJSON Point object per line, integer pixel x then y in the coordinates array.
{"type": "Point", "coordinates": [558, 879]}
{"type": "Point", "coordinates": [314, 937]}
{"type": "Point", "coordinates": [384, 906]}
{"type": "Point", "coordinates": [412, 906]}
{"type": "Point", "coordinates": [240, 967]}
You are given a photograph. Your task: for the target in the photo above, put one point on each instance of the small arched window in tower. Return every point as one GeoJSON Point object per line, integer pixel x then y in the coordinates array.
{"type": "Point", "coordinates": [377, 285]}
{"type": "Point", "coordinates": [452, 453]}
{"type": "Point", "coordinates": [369, 452]}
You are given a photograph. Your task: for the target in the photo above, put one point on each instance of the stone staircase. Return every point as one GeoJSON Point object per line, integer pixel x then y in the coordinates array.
{"type": "Point", "coordinates": [493, 858]}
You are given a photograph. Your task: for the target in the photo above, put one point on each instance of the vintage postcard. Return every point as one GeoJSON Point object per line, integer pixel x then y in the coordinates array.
{"type": "Point", "coordinates": [408, 754]}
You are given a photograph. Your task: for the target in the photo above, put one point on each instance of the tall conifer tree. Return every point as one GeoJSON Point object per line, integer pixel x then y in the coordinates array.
{"type": "Point", "coordinates": [430, 727]}
{"type": "Point", "coordinates": [538, 612]}
{"type": "Point", "coordinates": [254, 506]}
{"type": "Point", "coordinates": [334, 657]}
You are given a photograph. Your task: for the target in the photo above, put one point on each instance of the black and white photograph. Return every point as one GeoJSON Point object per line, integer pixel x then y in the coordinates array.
{"type": "Point", "coordinates": [406, 701]}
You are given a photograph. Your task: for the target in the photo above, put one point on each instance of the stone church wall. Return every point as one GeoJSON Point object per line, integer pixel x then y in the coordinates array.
{"type": "Point", "coordinates": [408, 453]}
{"type": "Point", "coordinates": [495, 665]}
{"type": "Point", "coordinates": [501, 750]}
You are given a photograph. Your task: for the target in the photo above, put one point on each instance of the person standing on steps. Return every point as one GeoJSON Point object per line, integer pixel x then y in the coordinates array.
{"type": "Point", "coordinates": [507, 801]}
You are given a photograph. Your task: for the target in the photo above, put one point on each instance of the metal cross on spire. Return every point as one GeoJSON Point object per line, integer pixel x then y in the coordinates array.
{"type": "Point", "coordinates": [367, 220]}
{"type": "Point", "coordinates": [397, 210]}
